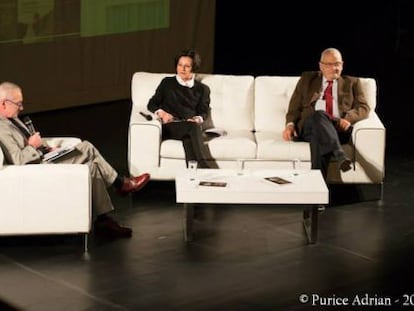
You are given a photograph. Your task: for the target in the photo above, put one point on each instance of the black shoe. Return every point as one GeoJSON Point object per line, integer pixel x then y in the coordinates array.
{"type": "Point", "coordinates": [345, 165]}
{"type": "Point", "coordinates": [106, 227]}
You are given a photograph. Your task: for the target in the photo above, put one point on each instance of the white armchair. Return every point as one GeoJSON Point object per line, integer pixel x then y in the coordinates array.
{"type": "Point", "coordinates": [45, 199]}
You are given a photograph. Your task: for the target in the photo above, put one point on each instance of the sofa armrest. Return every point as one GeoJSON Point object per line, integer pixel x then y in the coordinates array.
{"type": "Point", "coordinates": [144, 140]}
{"type": "Point", "coordinates": [369, 145]}
{"type": "Point", "coordinates": [45, 199]}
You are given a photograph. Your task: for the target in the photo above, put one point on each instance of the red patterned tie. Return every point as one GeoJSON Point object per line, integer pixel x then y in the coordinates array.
{"type": "Point", "coordinates": [329, 99]}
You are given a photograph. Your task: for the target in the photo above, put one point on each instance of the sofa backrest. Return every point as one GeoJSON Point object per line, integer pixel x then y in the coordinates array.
{"type": "Point", "coordinates": [231, 97]}
{"type": "Point", "coordinates": [272, 95]}
{"type": "Point", "coordinates": [232, 100]}
{"type": "Point", "coordinates": [143, 86]}
{"type": "Point", "coordinates": [369, 86]}
{"type": "Point", "coordinates": [240, 102]}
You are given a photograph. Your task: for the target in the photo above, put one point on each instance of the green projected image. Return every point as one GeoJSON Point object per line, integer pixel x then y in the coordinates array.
{"type": "Point", "coordinates": [34, 21]}
{"type": "Point", "coordinates": [101, 17]}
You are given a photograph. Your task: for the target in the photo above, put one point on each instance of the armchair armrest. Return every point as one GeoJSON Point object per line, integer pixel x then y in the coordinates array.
{"type": "Point", "coordinates": [144, 140]}
{"type": "Point", "coordinates": [369, 146]}
{"type": "Point", "coordinates": [45, 198]}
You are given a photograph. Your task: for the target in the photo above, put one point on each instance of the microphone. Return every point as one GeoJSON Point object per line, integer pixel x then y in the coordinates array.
{"type": "Point", "coordinates": [146, 116]}
{"type": "Point", "coordinates": [44, 148]}
{"type": "Point", "coordinates": [29, 124]}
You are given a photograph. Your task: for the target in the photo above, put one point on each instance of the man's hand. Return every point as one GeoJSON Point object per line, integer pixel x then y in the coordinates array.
{"type": "Point", "coordinates": [343, 124]}
{"type": "Point", "coordinates": [35, 140]}
{"type": "Point", "coordinates": [289, 132]}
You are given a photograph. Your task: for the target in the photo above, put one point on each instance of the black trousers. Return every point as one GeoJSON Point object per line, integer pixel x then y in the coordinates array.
{"type": "Point", "coordinates": [325, 140]}
{"type": "Point", "coordinates": [191, 135]}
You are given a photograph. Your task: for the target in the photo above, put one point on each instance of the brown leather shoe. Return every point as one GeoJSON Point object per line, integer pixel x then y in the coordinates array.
{"type": "Point", "coordinates": [133, 184]}
{"type": "Point", "coordinates": [108, 228]}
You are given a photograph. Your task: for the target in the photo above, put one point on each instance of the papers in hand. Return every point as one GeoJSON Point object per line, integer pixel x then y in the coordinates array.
{"type": "Point", "coordinates": [215, 132]}
{"type": "Point", "coordinates": [58, 152]}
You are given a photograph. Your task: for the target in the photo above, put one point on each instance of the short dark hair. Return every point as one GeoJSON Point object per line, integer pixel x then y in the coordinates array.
{"type": "Point", "coordinates": [193, 55]}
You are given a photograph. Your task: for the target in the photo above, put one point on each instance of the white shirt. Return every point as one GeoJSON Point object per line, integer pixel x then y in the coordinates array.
{"type": "Point", "coordinates": [189, 83]}
{"type": "Point", "coordinates": [320, 103]}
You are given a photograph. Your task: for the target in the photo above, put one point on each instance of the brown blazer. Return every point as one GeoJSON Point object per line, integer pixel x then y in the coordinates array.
{"type": "Point", "coordinates": [351, 99]}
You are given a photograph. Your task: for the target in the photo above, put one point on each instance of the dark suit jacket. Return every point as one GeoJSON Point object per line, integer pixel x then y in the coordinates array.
{"type": "Point", "coordinates": [351, 99]}
{"type": "Point", "coordinates": [181, 101]}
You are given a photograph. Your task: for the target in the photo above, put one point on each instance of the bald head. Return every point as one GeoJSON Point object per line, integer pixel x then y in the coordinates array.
{"type": "Point", "coordinates": [7, 88]}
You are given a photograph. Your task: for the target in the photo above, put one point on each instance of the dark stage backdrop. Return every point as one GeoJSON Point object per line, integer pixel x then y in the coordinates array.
{"type": "Point", "coordinates": [68, 53]}
{"type": "Point", "coordinates": [286, 38]}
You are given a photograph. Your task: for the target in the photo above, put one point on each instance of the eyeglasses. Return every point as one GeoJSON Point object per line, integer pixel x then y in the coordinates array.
{"type": "Point", "coordinates": [336, 64]}
{"type": "Point", "coordinates": [18, 104]}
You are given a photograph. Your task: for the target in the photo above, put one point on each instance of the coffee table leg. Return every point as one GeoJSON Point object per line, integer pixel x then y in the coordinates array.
{"type": "Point", "coordinates": [188, 221]}
{"type": "Point", "coordinates": [310, 223]}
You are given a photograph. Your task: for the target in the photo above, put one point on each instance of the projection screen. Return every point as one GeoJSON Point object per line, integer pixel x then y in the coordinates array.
{"type": "Point", "coordinates": [67, 53]}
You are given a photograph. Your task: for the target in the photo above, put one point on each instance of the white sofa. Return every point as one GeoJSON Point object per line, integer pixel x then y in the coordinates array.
{"type": "Point", "coordinates": [45, 199]}
{"type": "Point", "coordinates": [252, 111]}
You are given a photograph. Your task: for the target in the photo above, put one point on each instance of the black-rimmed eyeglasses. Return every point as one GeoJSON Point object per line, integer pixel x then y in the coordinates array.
{"type": "Point", "coordinates": [336, 64]}
{"type": "Point", "coordinates": [18, 104]}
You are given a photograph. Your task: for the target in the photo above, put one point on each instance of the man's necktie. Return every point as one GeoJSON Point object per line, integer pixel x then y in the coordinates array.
{"type": "Point", "coordinates": [329, 99]}
{"type": "Point", "coordinates": [22, 129]}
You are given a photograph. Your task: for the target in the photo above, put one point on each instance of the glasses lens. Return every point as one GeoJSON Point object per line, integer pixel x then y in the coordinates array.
{"type": "Point", "coordinates": [18, 104]}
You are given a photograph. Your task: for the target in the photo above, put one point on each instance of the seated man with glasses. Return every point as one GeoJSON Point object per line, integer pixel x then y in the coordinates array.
{"type": "Point", "coordinates": [18, 104]}
{"type": "Point", "coordinates": [322, 110]}
{"type": "Point", "coordinates": [22, 145]}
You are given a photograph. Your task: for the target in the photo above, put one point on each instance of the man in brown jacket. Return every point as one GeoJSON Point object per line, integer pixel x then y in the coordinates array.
{"type": "Point", "coordinates": [322, 110]}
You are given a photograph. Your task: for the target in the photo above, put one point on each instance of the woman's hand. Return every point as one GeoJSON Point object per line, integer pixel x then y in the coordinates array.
{"type": "Point", "coordinates": [164, 116]}
{"type": "Point", "coordinates": [196, 119]}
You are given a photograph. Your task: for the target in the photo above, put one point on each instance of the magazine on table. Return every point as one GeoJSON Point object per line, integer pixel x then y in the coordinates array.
{"type": "Point", "coordinates": [278, 180]}
{"type": "Point", "coordinates": [213, 183]}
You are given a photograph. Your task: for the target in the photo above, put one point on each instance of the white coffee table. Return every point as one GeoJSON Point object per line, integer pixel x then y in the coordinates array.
{"type": "Point", "coordinates": [306, 187]}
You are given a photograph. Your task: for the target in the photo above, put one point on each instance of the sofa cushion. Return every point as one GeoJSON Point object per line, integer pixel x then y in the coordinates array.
{"type": "Point", "coordinates": [243, 146]}
{"type": "Point", "coordinates": [272, 146]}
{"type": "Point", "coordinates": [232, 101]}
{"type": "Point", "coordinates": [143, 86]}
{"type": "Point", "coordinates": [240, 144]}
{"type": "Point", "coordinates": [272, 95]}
